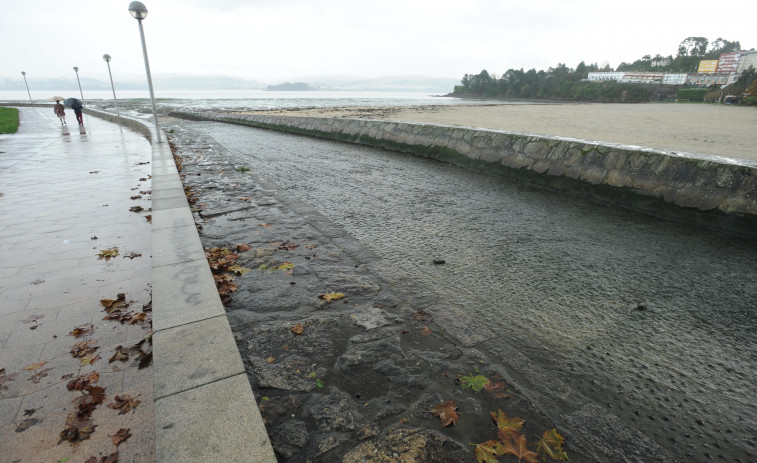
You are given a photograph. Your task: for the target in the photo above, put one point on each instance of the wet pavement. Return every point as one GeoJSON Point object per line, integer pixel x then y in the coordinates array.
{"type": "Point", "coordinates": [69, 379]}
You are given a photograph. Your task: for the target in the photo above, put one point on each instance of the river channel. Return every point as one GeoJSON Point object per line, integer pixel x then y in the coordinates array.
{"type": "Point", "coordinates": [654, 320]}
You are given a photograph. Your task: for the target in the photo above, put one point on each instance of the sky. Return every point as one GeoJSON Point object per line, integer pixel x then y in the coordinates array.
{"type": "Point", "coordinates": [273, 41]}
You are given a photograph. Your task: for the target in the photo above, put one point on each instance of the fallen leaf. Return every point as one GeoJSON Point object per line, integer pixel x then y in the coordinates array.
{"type": "Point", "coordinates": [136, 197]}
{"type": "Point", "coordinates": [26, 424]}
{"type": "Point", "coordinates": [81, 382]}
{"type": "Point", "coordinates": [136, 209]}
{"type": "Point", "coordinates": [420, 316]}
{"type": "Point", "coordinates": [245, 199]}
{"type": "Point", "coordinates": [34, 366]}
{"type": "Point", "coordinates": [288, 266]}
{"type": "Point", "coordinates": [331, 296]}
{"type": "Point", "coordinates": [107, 254]}
{"type": "Point", "coordinates": [298, 328]}
{"type": "Point", "coordinates": [239, 270]}
{"type": "Point", "coordinates": [37, 377]}
{"type": "Point", "coordinates": [124, 404]}
{"type": "Point", "coordinates": [120, 436]}
{"type": "Point", "coordinates": [82, 348]}
{"type": "Point", "coordinates": [288, 246]}
{"type": "Point", "coordinates": [270, 360]}
{"type": "Point", "coordinates": [145, 359]}
{"type": "Point", "coordinates": [265, 225]}
{"type": "Point", "coordinates": [76, 429]}
{"type": "Point", "coordinates": [425, 331]}
{"type": "Point", "coordinates": [550, 445]}
{"type": "Point", "coordinates": [487, 452]}
{"type": "Point", "coordinates": [89, 359]}
{"type": "Point", "coordinates": [311, 246]}
{"type": "Point", "coordinates": [112, 458]}
{"type": "Point", "coordinates": [119, 355]}
{"type": "Point", "coordinates": [115, 305]}
{"type": "Point", "coordinates": [81, 330]}
{"type": "Point", "coordinates": [132, 255]}
{"type": "Point", "coordinates": [516, 445]}
{"type": "Point", "coordinates": [30, 411]}
{"type": "Point", "coordinates": [507, 425]}
{"type": "Point", "coordinates": [474, 382]}
{"type": "Point", "coordinates": [242, 247]}
{"type": "Point", "coordinates": [446, 413]}
{"type": "Point", "coordinates": [5, 378]}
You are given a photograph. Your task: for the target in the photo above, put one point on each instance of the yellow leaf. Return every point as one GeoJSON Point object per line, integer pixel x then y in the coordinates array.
{"type": "Point", "coordinates": [107, 254]}
{"type": "Point", "coordinates": [34, 366]}
{"type": "Point", "coordinates": [331, 296]}
{"type": "Point", "coordinates": [239, 270]}
{"type": "Point", "coordinates": [286, 266]}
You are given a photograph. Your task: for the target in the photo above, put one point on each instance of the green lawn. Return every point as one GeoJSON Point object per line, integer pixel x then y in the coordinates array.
{"type": "Point", "coordinates": [8, 120]}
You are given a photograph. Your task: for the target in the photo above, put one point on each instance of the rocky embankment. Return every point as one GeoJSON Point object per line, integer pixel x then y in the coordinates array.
{"type": "Point", "coordinates": [357, 378]}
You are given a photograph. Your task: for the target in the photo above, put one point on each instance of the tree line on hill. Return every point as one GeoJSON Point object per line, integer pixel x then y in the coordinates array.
{"type": "Point", "coordinates": [564, 83]}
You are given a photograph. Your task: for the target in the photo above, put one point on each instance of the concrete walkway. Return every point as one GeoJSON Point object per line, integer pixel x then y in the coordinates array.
{"type": "Point", "coordinates": [66, 194]}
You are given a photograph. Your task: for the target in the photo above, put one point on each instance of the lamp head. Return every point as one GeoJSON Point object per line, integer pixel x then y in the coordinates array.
{"type": "Point", "coordinates": [106, 57]}
{"type": "Point", "coordinates": [76, 68]}
{"type": "Point", "coordinates": [23, 73]}
{"type": "Point", "coordinates": [138, 10]}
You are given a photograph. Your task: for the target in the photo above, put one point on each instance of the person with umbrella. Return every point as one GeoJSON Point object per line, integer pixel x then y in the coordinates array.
{"type": "Point", "coordinates": [76, 105]}
{"type": "Point", "coordinates": [59, 110]}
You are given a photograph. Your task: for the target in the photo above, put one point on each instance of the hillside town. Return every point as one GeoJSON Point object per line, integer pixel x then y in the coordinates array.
{"type": "Point", "coordinates": [722, 71]}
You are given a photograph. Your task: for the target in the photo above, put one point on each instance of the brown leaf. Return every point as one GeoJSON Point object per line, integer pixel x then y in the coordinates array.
{"type": "Point", "coordinates": [425, 331]}
{"type": "Point", "coordinates": [133, 255]}
{"type": "Point", "coordinates": [246, 199]}
{"type": "Point", "coordinates": [112, 458]}
{"type": "Point", "coordinates": [124, 403]}
{"type": "Point", "coordinates": [81, 330]}
{"type": "Point", "coordinates": [120, 355]}
{"type": "Point", "coordinates": [288, 246]}
{"type": "Point", "coordinates": [82, 348]}
{"type": "Point", "coordinates": [515, 444]}
{"type": "Point", "coordinates": [26, 424]}
{"type": "Point", "coordinates": [265, 225]}
{"type": "Point", "coordinates": [115, 305]}
{"type": "Point", "coordinates": [145, 359]}
{"type": "Point", "coordinates": [120, 436]}
{"type": "Point", "coordinates": [446, 412]}
{"type": "Point", "coordinates": [298, 328]}
{"type": "Point", "coordinates": [242, 247]}
{"type": "Point", "coordinates": [34, 366]}
{"type": "Point", "coordinates": [37, 377]}
{"type": "Point", "coordinates": [76, 429]}
{"type": "Point", "coordinates": [89, 359]}
{"type": "Point", "coordinates": [81, 382]}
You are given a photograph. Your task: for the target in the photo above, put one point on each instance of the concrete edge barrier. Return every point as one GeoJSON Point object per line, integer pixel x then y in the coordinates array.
{"type": "Point", "coordinates": [717, 193]}
{"type": "Point", "coordinates": [205, 409]}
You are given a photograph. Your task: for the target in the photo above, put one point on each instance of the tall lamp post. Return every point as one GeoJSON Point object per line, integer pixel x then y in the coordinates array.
{"type": "Point", "coordinates": [76, 70]}
{"type": "Point", "coordinates": [23, 73]}
{"type": "Point", "coordinates": [139, 11]}
{"type": "Point", "coordinates": [106, 57]}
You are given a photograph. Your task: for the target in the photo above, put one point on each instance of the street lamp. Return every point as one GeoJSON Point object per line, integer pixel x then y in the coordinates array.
{"type": "Point", "coordinates": [106, 57]}
{"type": "Point", "coordinates": [23, 73]}
{"type": "Point", "coordinates": [139, 12]}
{"type": "Point", "coordinates": [76, 70]}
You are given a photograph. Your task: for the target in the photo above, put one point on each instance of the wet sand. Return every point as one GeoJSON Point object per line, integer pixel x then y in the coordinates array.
{"type": "Point", "coordinates": [726, 131]}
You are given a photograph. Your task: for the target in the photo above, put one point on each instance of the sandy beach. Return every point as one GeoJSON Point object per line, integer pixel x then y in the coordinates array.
{"type": "Point", "coordinates": [727, 131]}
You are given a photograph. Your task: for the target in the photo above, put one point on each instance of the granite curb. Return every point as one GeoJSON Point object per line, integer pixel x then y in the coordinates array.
{"type": "Point", "coordinates": [205, 409]}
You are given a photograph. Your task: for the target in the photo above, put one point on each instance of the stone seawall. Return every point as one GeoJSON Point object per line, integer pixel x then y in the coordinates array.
{"type": "Point", "coordinates": [717, 193]}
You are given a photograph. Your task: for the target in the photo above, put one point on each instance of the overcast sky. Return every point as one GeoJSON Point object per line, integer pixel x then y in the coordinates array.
{"type": "Point", "coordinates": [276, 40]}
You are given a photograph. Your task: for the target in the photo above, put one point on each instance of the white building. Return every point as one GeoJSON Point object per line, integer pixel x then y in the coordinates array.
{"type": "Point", "coordinates": [603, 76]}
{"type": "Point", "coordinates": [674, 79]}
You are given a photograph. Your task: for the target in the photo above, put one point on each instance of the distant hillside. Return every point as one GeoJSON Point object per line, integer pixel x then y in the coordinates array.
{"type": "Point", "coordinates": [290, 87]}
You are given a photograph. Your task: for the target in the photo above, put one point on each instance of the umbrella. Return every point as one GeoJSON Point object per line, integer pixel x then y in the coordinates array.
{"type": "Point", "coordinates": [73, 103]}
{"type": "Point", "coordinates": [56, 98]}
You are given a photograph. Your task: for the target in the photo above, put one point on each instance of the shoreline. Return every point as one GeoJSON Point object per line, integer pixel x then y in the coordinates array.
{"type": "Point", "coordinates": [699, 129]}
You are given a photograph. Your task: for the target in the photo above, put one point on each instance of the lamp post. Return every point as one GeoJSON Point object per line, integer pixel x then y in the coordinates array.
{"type": "Point", "coordinates": [139, 12]}
{"type": "Point", "coordinates": [106, 57]}
{"type": "Point", "coordinates": [76, 70]}
{"type": "Point", "coordinates": [23, 73]}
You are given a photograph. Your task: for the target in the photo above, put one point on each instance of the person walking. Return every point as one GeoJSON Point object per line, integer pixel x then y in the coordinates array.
{"type": "Point", "coordinates": [60, 111]}
{"type": "Point", "coordinates": [78, 112]}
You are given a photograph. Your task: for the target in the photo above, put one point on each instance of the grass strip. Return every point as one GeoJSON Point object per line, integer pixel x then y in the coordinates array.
{"type": "Point", "coordinates": [8, 120]}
